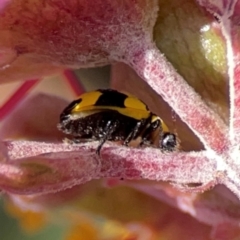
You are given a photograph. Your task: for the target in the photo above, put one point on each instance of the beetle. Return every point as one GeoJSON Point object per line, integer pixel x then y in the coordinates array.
{"type": "Point", "coordinates": [108, 114]}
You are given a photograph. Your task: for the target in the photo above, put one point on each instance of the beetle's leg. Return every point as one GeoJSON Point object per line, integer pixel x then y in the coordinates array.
{"type": "Point", "coordinates": [133, 133]}
{"type": "Point", "coordinates": [109, 129]}
{"type": "Point", "coordinates": [82, 140]}
{"type": "Point", "coordinates": [146, 134]}
{"type": "Point", "coordinates": [76, 140]}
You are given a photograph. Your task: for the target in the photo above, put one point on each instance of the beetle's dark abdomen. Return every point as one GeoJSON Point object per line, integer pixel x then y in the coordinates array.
{"type": "Point", "coordinates": [95, 126]}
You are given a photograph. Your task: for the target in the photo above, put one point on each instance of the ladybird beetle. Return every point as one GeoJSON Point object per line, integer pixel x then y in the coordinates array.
{"type": "Point", "coordinates": [115, 116]}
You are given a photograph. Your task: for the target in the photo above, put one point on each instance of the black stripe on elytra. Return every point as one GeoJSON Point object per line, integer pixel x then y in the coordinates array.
{"type": "Point", "coordinates": [111, 98]}
{"type": "Point", "coordinates": [71, 106]}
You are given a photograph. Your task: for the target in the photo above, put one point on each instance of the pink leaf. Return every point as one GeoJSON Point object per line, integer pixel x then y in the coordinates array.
{"type": "Point", "coordinates": [121, 162]}
{"type": "Point", "coordinates": [82, 34]}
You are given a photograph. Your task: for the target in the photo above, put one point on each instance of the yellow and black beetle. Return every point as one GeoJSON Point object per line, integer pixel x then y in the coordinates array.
{"type": "Point", "coordinates": [111, 115]}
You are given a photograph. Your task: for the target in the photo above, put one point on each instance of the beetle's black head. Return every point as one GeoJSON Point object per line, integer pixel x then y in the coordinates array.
{"type": "Point", "coordinates": [168, 142]}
